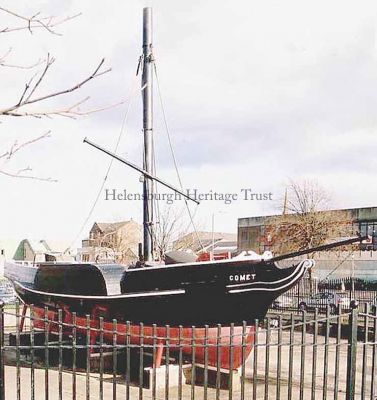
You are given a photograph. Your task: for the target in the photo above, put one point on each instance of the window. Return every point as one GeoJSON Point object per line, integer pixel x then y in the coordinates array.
{"type": "Point", "coordinates": [369, 228]}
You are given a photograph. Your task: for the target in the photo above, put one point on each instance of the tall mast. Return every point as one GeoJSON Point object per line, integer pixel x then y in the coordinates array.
{"type": "Point", "coordinates": [147, 85]}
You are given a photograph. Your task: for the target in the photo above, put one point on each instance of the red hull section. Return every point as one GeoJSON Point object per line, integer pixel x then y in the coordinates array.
{"type": "Point", "coordinates": [223, 347]}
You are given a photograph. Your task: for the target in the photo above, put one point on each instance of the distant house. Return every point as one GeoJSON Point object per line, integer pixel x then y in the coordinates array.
{"type": "Point", "coordinates": [111, 242]}
{"type": "Point", "coordinates": [216, 242]}
{"type": "Point", "coordinates": [40, 250]}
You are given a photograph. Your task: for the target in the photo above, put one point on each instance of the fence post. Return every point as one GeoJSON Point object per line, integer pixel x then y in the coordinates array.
{"type": "Point", "coordinates": [2, 383]}
{"type": "Point", "coordinates": [352, 350]}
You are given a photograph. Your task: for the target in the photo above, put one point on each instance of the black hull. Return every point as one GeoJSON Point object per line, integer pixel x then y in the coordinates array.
{"type": "Point", "coordinates": [194, 294]}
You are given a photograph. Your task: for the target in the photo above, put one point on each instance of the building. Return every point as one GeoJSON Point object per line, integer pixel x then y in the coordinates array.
{"type": "Point", "coordinates": [253, 231]}
{"type": "Point", "coordinates": [39, 251]}
{"type": "Point", "coordinates": [111, 242]}
{"type": "Point", "coordinates": [342, 263]}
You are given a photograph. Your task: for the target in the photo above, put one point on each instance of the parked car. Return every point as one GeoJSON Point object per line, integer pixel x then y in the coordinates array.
{"type": "Point", "coordinates": [323, 299]}
{"type": "Point", "coordinates": [283, 301]}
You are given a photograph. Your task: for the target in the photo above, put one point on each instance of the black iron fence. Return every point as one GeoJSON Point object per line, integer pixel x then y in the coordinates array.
{"type": "Point", "coordinates": [50, 354]}
{"type": "Point", "coordinates": [309, 294]}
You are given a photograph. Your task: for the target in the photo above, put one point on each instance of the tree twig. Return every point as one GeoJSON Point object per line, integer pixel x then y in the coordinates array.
{"type": "Point", "coordinates": [70, 112]}
{"type": "Point", "coordinates": [27, 97]}
{"type": "Point", "coordinates": [17, 147]}
{"type": "Point", "coordinates": [18, 175]}
{"type": "Point", "coordinates": [23, 172]}
{"type": "Point", "coordinates": [33, 22]}
{"type": "Point", "coordinates": [49, 62]}
{"type": "Point", "coordinates": [3, 62]}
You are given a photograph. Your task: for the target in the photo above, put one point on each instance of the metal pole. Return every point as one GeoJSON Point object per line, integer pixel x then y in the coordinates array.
{"type": "Point", "coordinates": [212, 253]}
{"type": "Point", "coordinates": [147, 84]}
{"type": "Point", "coordinates": [147, 174]}
{"type": "Point", "coordinates": [2, 383]}
{"type": "Point", "coordinates": [353, 276]}
{"type": "Point", "coordinates": [318, 248]}
{"type": "Point", "coordinates": [351, 354]}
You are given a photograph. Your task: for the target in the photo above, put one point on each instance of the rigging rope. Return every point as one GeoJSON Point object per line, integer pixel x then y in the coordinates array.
{"type": "Point", "coordinates": [156, 207]}
{"type": "Point", "coordinates": [344, 260]}
{"type": "Point", "coordinates": [174, 158]}
{"type": "Point", "coordinates": [121, 132]}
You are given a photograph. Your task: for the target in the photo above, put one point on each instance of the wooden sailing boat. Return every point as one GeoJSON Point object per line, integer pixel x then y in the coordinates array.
{"type": "Point", "coordinates": [186, 297]}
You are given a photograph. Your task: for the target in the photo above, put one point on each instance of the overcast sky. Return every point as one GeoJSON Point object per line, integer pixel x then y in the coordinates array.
{"type": "Point", "coordinates": [255, 93]}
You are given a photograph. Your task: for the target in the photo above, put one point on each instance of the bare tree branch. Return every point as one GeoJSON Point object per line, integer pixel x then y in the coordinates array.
{"type": "Point", "coordinates": [5, 55]}
{"type": "Point", "coordinates": [49, 62]}
{"type": "Point", "coordinates": [72, 111]}
{"type": "Point", "coordinates": [308, 222]}
{"type": "Point", "coordinates": [30, 99]}
{"type": "Point", "coordinates": [31, 66]}
{"type": "Point", "coordinates": [17, 147]}
{"type": "Point", "coordinates": [19, 175]}
{"type": "Point", "coordinates": [168, 227]}
{"type": "Point", "coordinates": [3, 62]}
{"type": "Point", "coordinates": [36, 22]}
{"type": "Point", "coordinates": [27, 95]}
{"type": "Point", "coordinates": [23, 172]}
{"type": "Point", "coordinates": [27, 86]}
